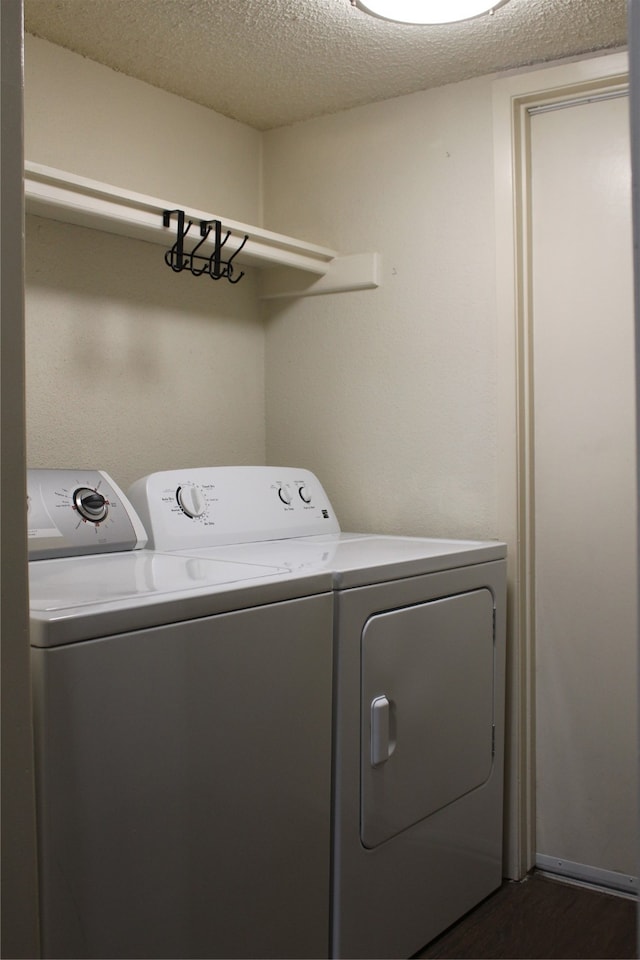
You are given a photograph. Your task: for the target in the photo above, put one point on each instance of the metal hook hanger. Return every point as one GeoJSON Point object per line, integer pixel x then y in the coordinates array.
{"type": "Point", "coordinates": [205, 230]}
{"type": "Point", "coordinates": [179, 259]}
{"type": "Point", "coordinates": [229, 267]}
{"type": "Point", "coordinates": [175, 257]}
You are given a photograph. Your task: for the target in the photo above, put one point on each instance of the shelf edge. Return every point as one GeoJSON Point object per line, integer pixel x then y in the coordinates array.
{"type": "Point", "coordinates": [68, 198]}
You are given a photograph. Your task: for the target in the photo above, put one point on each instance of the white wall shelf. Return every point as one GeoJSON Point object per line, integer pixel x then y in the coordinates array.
{"type": "Point", "coordinates": [308, 268]}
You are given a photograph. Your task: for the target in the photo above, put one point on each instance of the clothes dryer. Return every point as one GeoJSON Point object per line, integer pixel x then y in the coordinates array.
{"type": "Point", "coordinates": [183, 731]}
{"type": "Point", "coordinates": [419, 659]}
{"type": "Point", "coordinates": [419, 739]}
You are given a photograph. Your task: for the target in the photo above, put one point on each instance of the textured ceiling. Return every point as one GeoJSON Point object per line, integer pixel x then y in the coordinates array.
{"type": "Point", "coordinates": [273, 62]}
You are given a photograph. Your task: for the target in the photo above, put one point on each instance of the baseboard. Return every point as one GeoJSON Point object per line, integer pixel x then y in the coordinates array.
{"type": "Point", "coordinates": [595, 876]}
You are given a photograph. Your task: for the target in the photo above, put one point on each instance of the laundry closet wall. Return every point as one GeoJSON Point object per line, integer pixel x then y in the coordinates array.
{"type": "Point", "coordinates": [132, 367]}
{"type": "Point", "coordinates": [390, 395]}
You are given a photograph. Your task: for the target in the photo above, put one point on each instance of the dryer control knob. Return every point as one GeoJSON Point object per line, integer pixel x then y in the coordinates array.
{"type": "Point", "coordinates": [304, 494]}
{"type": "Point", "coordinates": [191, 501]}
{"type": "Point", "coordinates": [285, 495]}
{"type": "Point", "coordinates": [90, 504]}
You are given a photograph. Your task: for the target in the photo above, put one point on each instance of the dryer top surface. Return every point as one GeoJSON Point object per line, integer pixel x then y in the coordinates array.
{"type": "Point", "coordinates": [358, 559]}
{"type": "Point", "coordinates": [362, 559]}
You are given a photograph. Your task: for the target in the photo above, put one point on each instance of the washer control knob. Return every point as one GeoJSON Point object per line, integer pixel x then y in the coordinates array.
{"type": "Point", "coordinates": [285, 495]}
{"type": "Point", "coordinates": [90, 504]}
{"type": "Point", "coordinates": [305, 496]}
{"type": "Point", "coordinates": [191, 501]}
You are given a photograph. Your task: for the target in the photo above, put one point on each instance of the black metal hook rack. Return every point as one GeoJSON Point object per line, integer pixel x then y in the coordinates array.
{"type": "Point", "coordinates": [197, 263]}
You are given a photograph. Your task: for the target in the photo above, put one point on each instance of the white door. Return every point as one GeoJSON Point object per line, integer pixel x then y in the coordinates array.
{"type": "Point", "coordinates": [585, 493]}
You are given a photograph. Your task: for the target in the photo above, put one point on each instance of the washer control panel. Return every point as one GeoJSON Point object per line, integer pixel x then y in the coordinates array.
{"type": "Point", "coordinates": [210, 506]}
{"type": "Point", "coordinates": [75, 512]}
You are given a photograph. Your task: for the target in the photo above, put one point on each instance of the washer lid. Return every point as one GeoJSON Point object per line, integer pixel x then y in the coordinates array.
{"type": "Point", "coordinates": [75, 599]}
{"type": "Point", "coordinates": [118, 578]}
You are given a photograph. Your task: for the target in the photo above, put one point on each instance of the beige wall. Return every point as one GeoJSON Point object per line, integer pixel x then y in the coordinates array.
{"type": "Point", "coordinates": [390, 394]}
{"type": "Point", "coordinates": [131, 367]}
{"type": "Point", "coordinates": [90, 120]}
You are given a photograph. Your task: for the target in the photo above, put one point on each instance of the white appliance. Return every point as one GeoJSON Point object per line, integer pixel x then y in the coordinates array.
{"type": "Point", "coordinates": [420, 661]}
{"type": "Point", "coordinates": [183, 737]}
{"type": "Point", "coordinates": [419, 652]}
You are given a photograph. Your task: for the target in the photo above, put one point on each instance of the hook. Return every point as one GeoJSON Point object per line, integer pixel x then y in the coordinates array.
{"type": "Point", "coordinates": [213, 262]}
{"type": "Point", "coordinates": [205, 230]}
{"type": "Point", "coordinates": [228, 272]}
{"type": "Point", "coordinates": [214, 265]}
{"type": "Point", "coordinates": [175, 257]}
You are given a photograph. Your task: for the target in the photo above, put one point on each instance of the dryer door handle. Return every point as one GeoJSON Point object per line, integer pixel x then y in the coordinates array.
{"type": "Point", "coordinates": [383, 730]}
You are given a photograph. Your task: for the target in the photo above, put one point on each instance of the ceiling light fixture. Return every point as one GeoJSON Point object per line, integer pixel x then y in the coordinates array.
{"type": "Point", "coordinates": [428, 11]}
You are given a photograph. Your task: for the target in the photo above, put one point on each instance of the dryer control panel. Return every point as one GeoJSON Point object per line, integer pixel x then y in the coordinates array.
{"type": "Point", "coordinates": [76, 512]}
{"type": "Point", "coordinates": [211, 506]}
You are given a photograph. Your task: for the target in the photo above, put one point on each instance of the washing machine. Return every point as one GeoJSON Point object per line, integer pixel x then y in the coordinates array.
{"type": "Point", "coordinates": [418, 718]}
{"type": "Point", "coordinates": [182, 712]}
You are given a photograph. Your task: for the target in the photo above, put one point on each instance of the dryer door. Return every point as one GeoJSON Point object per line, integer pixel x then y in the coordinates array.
{"type": "Point", "coordinates": [427, 710]}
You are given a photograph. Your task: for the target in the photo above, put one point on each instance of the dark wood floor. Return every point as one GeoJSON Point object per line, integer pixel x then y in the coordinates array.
{"type": "Point", "coordinates": [542, 918]}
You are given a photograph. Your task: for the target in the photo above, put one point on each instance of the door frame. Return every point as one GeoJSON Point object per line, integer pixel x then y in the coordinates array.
{"type": "Point", "coordinates": [513, 96]}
